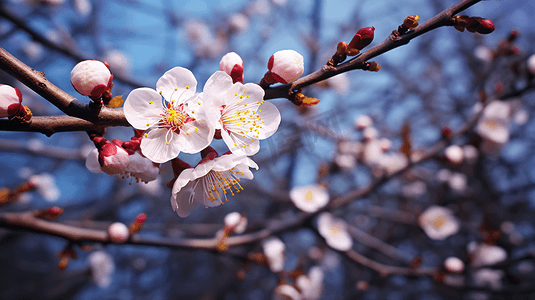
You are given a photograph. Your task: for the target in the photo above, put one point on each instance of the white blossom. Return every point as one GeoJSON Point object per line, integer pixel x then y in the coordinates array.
{"type": "Point", "coordinates": [334, 231]}
{"type": "Point", "coordinates": [210, 182]}
{"type": "Point", "coordinates": [486, 255]}
{"type": "Point", "coordinates": [454, 264]}
{"type": "Point", "coordinates": [118, 233]}
{"type": "Point", "coordinates": [493, 126]}
{"type": "Point", "coordinates": [531, 64]}
{"type": "Point", "coordinates": [236, 222]}
{"type": "Point", "coordinates": [311, 285]}
{"type": "Point", "coordinates": [286, 292]}
{"type": "Point", "coordinates": [177, 123]}
{"type": "Point", "coordinates": [488, 278]}
{"type": "Point", "coordinates": [241, 113]}
{"type": "Point", "coordinates": [363, 121]}
{"type": "Point", "coordinates": [274, 251]}
{"type": "Point", "coordinates": [102, 268]}
{"type": "Point", "coordinates": [10, 101]}
{"type": "Point", "coordinates": [309, 198]}
{"type": "Point", "coordinates": [286, 66]}
{"type": "Point", "coordinates": [46, 186]}
{"type": "Point", "coordinates": [91, 78]}
{"type": "Point", "coordinates": [439, 222]}
{"type": "Point", "coordinates": [454, 154]}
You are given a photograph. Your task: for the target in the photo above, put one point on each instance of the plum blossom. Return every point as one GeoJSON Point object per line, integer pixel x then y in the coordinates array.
{"type": "Point", "coordinates": [439, 222]}
{"type": "Point", "coordinates": [486, 255]}
{"type": "Point", "coordinates": [236, 222]}
{"type": "Point", "coordinates": [177, 123]}
{"type": "Point", "coordinates": [10, 101]}
{"type": "Point", "coordinates": [284, 66]}
{"type": "Point", "coordinates": [91, 78]}
{"type": "Point", "coordinates": [309, 198]}
{"type": "Point", "coordinates": [286, 292]}
{"type": "Point", "coordinates": [454, 264]}
{"type": "Point", "coordinates": [102, 268]}
{"type": "Point", "coordinates": [311, 285]}
{"type": "Point", "coordinates": [46, 186]}
{"type": "Point", "coordinates": [274, 251]}
{"type": "Point", "coordinates": [334, 231]}
{"type": "Point", "coordinates": [454, 154]}
{"type": "Point", "coordinates": [243, 116]}
{"type": "Point", "coordinates": [210, 182]}
{"type": "Point", "coordinates": [493, 126]}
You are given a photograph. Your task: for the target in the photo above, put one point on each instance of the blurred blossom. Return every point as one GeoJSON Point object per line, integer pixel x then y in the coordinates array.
{"type": "Point", "coordinates": [483, 53]}
{"type": "Point", "coordinates": [345, 162]}
{"type": "Point", "coordinates": [443, 175]}
{"type": "Point", "coordinates": [33, 50]}
{"type": "Point", "coordinates": [279, 2]}
{"type": "Point", "coordinates": [83, 7]}
{"type": "Point", "coordinates": [394, 162]}
{"type": "Point", "coordinates": [36, 145]}
{"type": "Point", "coordinates": [197, 31]}
{"type": "Point", "coordinates": [350, 147]}
{"type": "Point", "coordinates": [458, 182]}
{"type": "Point", "coordinates": [453, 280]}
{"type": "Point", "coordinates": [531, 64]}
{"type": "Point", "coordinates": [286, 292]}
{"type": "Point", "coordinates": [274, 251]}
{"type": "Point", "coordinates": [486, 255]}
{"type": "Point", "coordinates": [309, 198]}
{"type": "Point", "coordinates": [260, 7]}
{"type": "Point", "coordinates": [102, 268]}
{"type": "Point", "coordinates": [118, 61]}
{"type": "Point", "coordinates": [493, 126]}
{"type": "Point", "coordinates": [236, 222]}
{"type": "Point", "coordinates": [373, 153]}
{"type": "Point", "coordinates": [311, 285]}
{"type": "Point", "coordinates": [488, 278]}
{"type": "Point", "coordinates": [521, 117]}
{"type": "Point", "coordinates": [438, 222]}
{"type": "Point", "coordinates": [454, 154]}
{"type": "Point", "coordinates": [363, 121]}
{"type": "Point", "coordinates": [370, 133]}
{"type": "Point", "coordinates": [339, 83]}
{"type": "Point", "coordinates": [470, 153]}
{"type": "Point", "coordinates": [334, 231]}
{"type": "Point", "coordinates": [25, 172]}
{"type": "Point", "coordinates": [414, 189]}
{"type": "Point", "coordinates": [46, 186]}
{"type": "Point", "coordinates": [386, 144]}
{"type": "Point", "coordinates": [454, 264]}
{"type": "Point", "coordinates": [239, 22]}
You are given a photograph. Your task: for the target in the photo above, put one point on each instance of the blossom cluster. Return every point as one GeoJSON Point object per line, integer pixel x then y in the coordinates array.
{"type": "Point", "coordinates": [175, 118]}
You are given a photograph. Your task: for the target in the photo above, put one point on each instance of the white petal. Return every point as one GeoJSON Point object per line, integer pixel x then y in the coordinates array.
{"type": "Point", "coordinates": [241, 145]}
{"type": "Point", "coordinates": [154, 146]}
{"type": "Point", "coordinates": [177, 83]}
{"type": "Point", "coordinates": [184, 202]}
{"type": "Point", "coordinates": [92, 163]}
{"type": "Point", "coordinates": [183, 179]}
{"type": "Point", "coordinates": [194, 136]}
{"type": "Point", "coordinates": [143, 107]}
{"type": "Point", "coordinates": [271, 116]}
{"type": "Point", "coordinates": [216, 86]}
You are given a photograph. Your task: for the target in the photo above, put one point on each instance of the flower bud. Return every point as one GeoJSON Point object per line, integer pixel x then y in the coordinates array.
{"type": "Point", "coordinates": [411, 22]}
{"type": "Point", "coordinates": [113, 159]}
{"type": "Point", "coordinates": [454, 154]}
{"type": "Point", "coordinates": [138, 222]}
{"type": "Point", "coordinates": [480, 25]}
{"type": "Point", "coordinates": [10, 99]}
{"type": "Point", "coordinates": [235, 222]}
{"type": "Point", "coordinates": [531, 64]}
{"type": "Point", "coordinates": [91, 78]}
{"type": "Point", "coordinates": [362, 38]}
{"type": "Point", "coordinates": [341, 48]}
{"type": "Point", "coordinates": [232, 64]}
{"type": "Point", "coordinates": [284, 66]}
{"type": "Point", "coordinates": [454, 264]}
{"type": "Point", "coordinates": [118, 233]}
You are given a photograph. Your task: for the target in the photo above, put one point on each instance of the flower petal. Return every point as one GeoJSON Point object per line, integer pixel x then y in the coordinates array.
{"type": "Point", "coordinates": [195, 136]}
{"type": "Point", "coordinates": [216, 86]}
{"type": "Point", "coordinates": [239, 144]}
{"type": "Point", "coordinates": [143, 107]}
{"type": "Point", "coordinates": [91, 162]}
{"type": "Point", "coordinates": [271, 118]}
{"type": "Point", "coordinates": [177, 84]}
{"type": "Point", "coordinates": [154, 147]}
{"type": "Point", "coordinates": [184, 202]}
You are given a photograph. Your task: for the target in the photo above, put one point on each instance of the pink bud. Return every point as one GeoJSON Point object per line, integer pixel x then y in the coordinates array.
{"type": "Point", "coordinates": [454, 264]}
{"type": "Point", "coordinates": [10, 99]}
{"type": "Point", "coordinates": [232, 64]}
{"type": "Point", "coordinates": [91, 78]}
{"type": "Point", "coordinates": [113, 159]}
{"type": "Point", "coordinates": [285, 66]}
{"type": "Point", "coordinates": [362, 38]}
{"type": "Point", "coordinates": [118, 233]}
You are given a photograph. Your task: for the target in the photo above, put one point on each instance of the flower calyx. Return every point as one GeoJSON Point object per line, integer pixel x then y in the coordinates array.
{"type": "Point", "coordinates": [372, 66]}
{"type": "Point", "coordinates": [300, 99]}
{"type": "Point", "coordinates": [410, 23]}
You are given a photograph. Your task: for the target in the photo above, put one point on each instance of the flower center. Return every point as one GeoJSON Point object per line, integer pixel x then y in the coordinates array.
{"type": "Point", "coordinates": [439, 221]}
{"type": "Point", "coordinates": [308, 196]}
{"type": "Point", "coordinates": [175, 118]}
{"type": "Point", "coordinates": [335, 230]}
{"type": "Point", "coordinates": [216, 181]}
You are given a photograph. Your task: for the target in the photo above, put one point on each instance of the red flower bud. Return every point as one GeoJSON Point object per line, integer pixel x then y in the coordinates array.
{"type": "Point", "coordinates": [138, 222]}
{"type": "Point", "coordinates": [411, 22]}
{"type": "Point", "coordinates": [362, 38]}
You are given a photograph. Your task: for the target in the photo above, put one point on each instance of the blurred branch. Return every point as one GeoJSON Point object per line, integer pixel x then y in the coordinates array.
{"type": "Point", "coordinates": [391, 42]}
{"type": "Point", "coordinates": [386, 270]}
{"type": "Point", "coordinates": [67, 51]}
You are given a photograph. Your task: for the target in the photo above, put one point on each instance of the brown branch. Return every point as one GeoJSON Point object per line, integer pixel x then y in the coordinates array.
{"type": "Point", "coordinates": [392, 41]}
{"type": "Point", "coordinates": [386, 270]}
